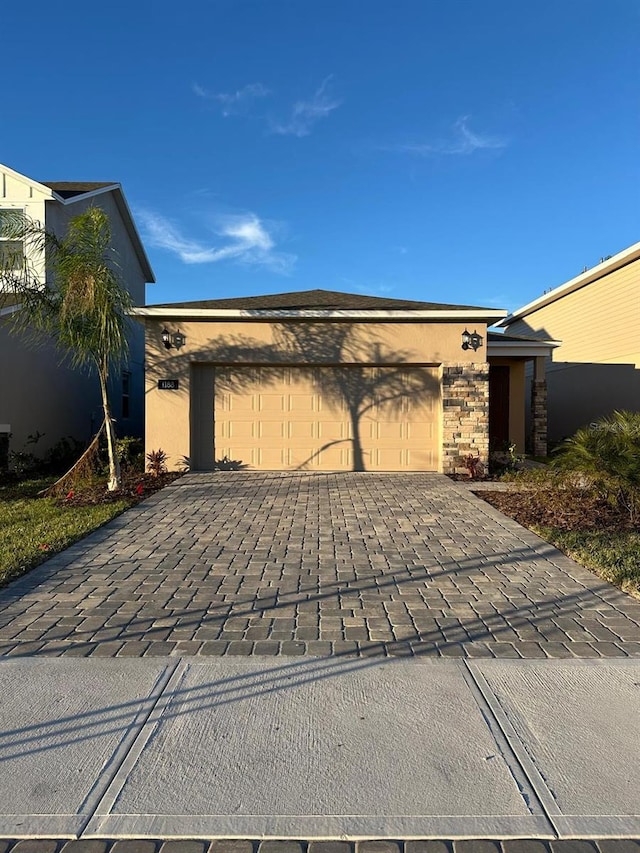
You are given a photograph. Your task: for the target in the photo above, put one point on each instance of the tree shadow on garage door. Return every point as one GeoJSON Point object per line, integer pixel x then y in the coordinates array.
{"type": "Point", "coordinates": [367, 377]}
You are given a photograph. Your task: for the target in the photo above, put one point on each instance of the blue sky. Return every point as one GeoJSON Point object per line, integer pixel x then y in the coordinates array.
{"type": "Point", "coordinates": [460, 151]}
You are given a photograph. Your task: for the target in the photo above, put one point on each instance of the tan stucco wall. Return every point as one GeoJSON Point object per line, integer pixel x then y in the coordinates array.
{"type": "Point", "coordinates": [596, 369]}
{"type": "Point", "coordinates": [168, 421]}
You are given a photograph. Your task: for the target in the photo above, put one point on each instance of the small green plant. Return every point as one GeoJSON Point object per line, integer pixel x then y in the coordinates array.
{"type": "Point", "coordinates": [606, 455]}
{"type": "Point", "coordinates": [157, 462]}
{"type": "Point", "coordinates": [24, 463]}
{"type": "Point", "coordinates": [503, 459]}
{"type": "Point", "coordinates": [130, 452]}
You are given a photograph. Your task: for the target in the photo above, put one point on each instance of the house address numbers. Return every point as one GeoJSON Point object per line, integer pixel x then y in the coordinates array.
{"type": "Point", "coordinates": [168, 384]}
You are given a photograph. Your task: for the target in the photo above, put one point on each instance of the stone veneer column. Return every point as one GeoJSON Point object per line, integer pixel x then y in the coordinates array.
{"type": "Point", "coordinates": [539, 408]}
{"type": "Point", "coordinates": [465, 414]}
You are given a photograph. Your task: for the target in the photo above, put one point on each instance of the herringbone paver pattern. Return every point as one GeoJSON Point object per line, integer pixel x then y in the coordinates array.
{"type": "Point", "coordinates": [243, 563]}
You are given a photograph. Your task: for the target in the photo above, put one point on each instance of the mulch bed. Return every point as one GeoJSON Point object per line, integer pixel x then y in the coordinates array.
{"type": "Point", "coordinates": [563, 509]}
{"type": "Point", "coordinates": [135, 487]}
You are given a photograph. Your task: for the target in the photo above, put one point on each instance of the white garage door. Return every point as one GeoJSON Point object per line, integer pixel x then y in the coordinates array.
{"type": "Point", "coordinates": [329, 419]}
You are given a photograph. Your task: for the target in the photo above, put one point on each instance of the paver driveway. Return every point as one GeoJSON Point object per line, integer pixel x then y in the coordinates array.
{"type": "Point", "coordinates": [287, 563]}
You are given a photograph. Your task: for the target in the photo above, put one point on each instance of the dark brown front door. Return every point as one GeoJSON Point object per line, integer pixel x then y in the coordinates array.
{"type": "Point", "coordinates": [498, 406]}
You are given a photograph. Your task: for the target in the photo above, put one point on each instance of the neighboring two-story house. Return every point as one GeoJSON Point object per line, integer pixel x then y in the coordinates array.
{"type": "Point", "coordinates": [596, 317]}
{"type": "Point", "coordinates": [38, 394]}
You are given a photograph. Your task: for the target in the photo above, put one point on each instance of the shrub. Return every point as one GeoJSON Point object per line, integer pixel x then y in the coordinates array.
{"type": "Point", "coordinates": [157, 462]}
{"type": "Point", "coordinates": [4, 451]}
{"type": "Point", "coordinates": [130, 452]}
{"type": "Point", "coordinates": [63, 454]}
{"type": "Point", "coordinates": [607, 457]}
{"type": "Point", "coordinates": [474, 466]}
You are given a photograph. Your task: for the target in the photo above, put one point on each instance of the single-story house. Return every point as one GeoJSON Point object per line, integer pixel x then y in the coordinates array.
{"type": "Point", "coordinates": [321, 380]}
{"type": "Point", "coordinates": [40, 396]}
{"type": "Point", "coordinates": [595, 317]}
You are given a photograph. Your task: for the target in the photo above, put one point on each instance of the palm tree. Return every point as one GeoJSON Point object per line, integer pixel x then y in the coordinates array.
{"type": "Point", "coordinates": [82, 304]}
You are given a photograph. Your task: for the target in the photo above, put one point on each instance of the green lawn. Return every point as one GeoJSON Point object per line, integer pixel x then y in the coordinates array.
{"type": "Point", "coordinates": [612, 555]}
{"type": "Point", "coordinates": [33, 528]}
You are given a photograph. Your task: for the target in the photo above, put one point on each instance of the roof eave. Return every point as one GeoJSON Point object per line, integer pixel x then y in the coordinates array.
{"type": "Point", "coordinates": [43, 188]}
{"type": "Point", "coordinates": [615, 262]}
{"type": "Point", "coordinates": [521, 349]}
{"type": "Point", "coordinates": [462, 315]}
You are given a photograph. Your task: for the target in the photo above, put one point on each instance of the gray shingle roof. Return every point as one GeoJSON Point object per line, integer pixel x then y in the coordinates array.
{"type": "Point", "coordinates": [68, 189]}
{"type": "Point", "coordinates": [317, 299]}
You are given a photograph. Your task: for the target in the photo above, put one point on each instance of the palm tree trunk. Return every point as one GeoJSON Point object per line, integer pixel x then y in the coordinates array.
{"type": "Point", "coordinates": [115, 477]}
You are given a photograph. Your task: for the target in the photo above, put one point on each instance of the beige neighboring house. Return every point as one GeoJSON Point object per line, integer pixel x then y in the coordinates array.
{"type": "Point", "coordinates": [319, 380]}
{"type": "Point", "coordinates": [37, 393]}
{"type": "Point", "coordinates": [596, 318]}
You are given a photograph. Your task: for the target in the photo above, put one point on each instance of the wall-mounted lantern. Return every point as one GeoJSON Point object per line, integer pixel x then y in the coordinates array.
{"type": "Point", "coordinates": [172, 339]}
{"type": "Point", "coordinates": [471, 340]}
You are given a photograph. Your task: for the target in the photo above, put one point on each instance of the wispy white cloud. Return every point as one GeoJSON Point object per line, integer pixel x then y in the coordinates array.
{"type": "Point", "coordinates": [233, 103]}
{"type": "Point", "coordinates": [305, 114]}
{"type": "Point", "coordinates": [462, 141]}
{"type": "Point", "coordinates": [243, 238]}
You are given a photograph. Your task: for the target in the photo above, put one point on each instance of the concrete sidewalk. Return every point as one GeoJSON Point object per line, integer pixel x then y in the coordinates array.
{"type": "Point", "coordinates": [338, 747]}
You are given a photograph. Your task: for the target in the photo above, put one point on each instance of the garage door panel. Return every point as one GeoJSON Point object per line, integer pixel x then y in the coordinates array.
{"type": "Point", "coordinates": [261, 457]}
{"type": "Point", "coordinates": [272, 430]}
{"type": "Point", "coordinates": [334, 430]}
{"type": "Point", "coordinates": [335, 457]}
{"type": "Point", "coordinates": [304, 403]}
{"type": "Point", "coordinates": [401, 459]}
{"type": "Point", "coordinates": [265, 403]}
{"type": "Point", "coordinates": [396, 433]}
{"type": "Point", "coordinates": [238, 430]}
{"type": "Point", "coordinates": [303, 431]}
{"type": "Point", "coordinates": [279, 419]}
{"type": "Point", "coordinates": [237, 403]}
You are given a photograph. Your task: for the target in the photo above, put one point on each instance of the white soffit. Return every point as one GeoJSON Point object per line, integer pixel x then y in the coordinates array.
{"type": "Point", "coordinates": [461, 315]}
{"type": "Point", "coordinates": [521, 348]}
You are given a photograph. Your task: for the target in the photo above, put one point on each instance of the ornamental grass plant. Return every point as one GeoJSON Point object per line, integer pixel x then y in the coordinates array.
{"type": "Point", "coordinates": [606, 455]}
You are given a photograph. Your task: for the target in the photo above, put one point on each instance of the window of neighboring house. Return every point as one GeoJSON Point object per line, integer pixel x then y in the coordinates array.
{"type": "Point", "coordinates": [11, 250]}
{"type": "Point", "coordinates": [126, 382]}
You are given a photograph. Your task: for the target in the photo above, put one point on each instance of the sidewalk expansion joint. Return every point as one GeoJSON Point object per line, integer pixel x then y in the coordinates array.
{"type": "Point", "coordinates": [127, 752]}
